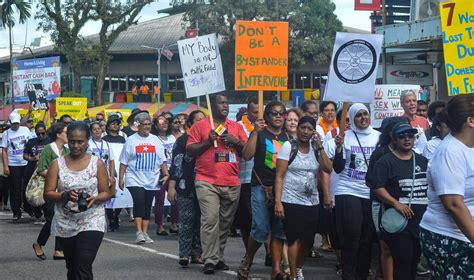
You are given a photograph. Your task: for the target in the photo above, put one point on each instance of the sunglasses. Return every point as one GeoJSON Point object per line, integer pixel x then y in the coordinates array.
{"type": "Point", "coordinates": [277, 113]}
{"type": "Point", "coordinates": [409, 135]}
{"type": "Point", "coordinates": [41, 133]}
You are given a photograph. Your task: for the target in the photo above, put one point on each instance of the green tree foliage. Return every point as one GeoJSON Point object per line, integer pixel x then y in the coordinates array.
{"type": "Point", "coordinates": [313, 25]}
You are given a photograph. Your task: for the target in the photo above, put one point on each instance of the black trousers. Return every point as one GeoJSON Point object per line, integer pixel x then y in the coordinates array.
{"type": "Point", "coordinates": [354, 229]}
{"type": "Point", "coordinates": [43, 236]}
{"type": "Point", "coordinates": [142, 200]}
{"type": "Point", "coordinates": [80, 252]}
{"type": "Point", "coordinates": [4, 190]}
{"type": "Point", "coordinates": [406, 251]}
{"type": "Point", "coordinates": [17, 190]}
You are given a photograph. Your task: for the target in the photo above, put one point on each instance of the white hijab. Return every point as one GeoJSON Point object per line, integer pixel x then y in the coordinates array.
{"type": "Point", "coordinates": [356, 107]}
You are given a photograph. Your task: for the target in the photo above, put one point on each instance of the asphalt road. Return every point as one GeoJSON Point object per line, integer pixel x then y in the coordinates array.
{"type": "Point", "coordinates": [120, 258]}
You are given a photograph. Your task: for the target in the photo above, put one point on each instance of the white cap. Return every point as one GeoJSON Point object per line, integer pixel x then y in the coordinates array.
{"type": "Point", "coordinates": [14, 118]}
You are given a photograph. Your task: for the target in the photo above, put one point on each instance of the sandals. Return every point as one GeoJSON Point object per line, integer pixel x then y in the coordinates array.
{"type": "Point", "coordinates": [197, 260]}
{"type": "Point", "coordinates": [244, 268]}
{"type": "Point", "coordinates": [281, 276]}
{"type": "Point", "coordinates": [183, 261]}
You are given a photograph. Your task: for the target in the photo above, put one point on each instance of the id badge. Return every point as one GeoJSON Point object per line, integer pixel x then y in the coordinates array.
{"type": "Point", "coordinates": [232, 158]}
{"type": "Point", "coordinates": [222, 157]}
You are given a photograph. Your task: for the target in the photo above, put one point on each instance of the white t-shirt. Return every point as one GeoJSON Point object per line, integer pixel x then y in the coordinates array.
{"type": "Point", "coordinates": [450, 172]}
{"type": "Point", "coordinates": [143, 157]}
{"type": "Point", "coordinates": [168, 144]}
{"type": "Point", "coordinates": [15, 141]}
{"type": "Point", "coordinates": [420, 144]}
{"type": "Point", "coordinates": [352, 178]}
{"type": "Point", "coordinates": [299, 184]}
{"type": "Point", "coordinates": [431, 147]}
{"type": "Point", "coordinates": [101, 150]}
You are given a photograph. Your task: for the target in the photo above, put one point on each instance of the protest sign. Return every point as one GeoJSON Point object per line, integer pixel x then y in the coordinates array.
{"type": "Point", "coordinates": [76, 107]}
{"type": "Point", "coordinates": [122, 199]}
{"type": "Point", "coordinates": [124, 112]}
{"type": "Point", "coordinates": [201, 65]}
{"type": "Point", "coordinates": [36, 116]}
{"type": "Point", "coordinates": [261, 55]}
{"type": "Point", "coordinates": [353, 67]}
{"type": "Point", "coordinates": [36, 80]}
{"type": "Point", "coordinates": [457, 24]}
{"type": "Point", "coordinates": [386, 102]}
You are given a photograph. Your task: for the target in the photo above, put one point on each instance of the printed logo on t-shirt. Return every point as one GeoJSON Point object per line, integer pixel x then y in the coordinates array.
{"type": "Point", "coordinates": [146, 157]}
{"type": "Point", "coordinates": [357, 166]}
{"type": "Point", "coordinates": [272, 149]}
{"type": "Point", "coordinates": [18, 145]}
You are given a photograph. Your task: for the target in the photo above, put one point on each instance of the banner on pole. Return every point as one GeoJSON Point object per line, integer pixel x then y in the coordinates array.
{"type": "Point", "coordinates": [124, 112]}
{"type": "Point", "coordinates": [36, 116]}
{"type": "Point", "coordinates": [201, 65]}
{"type": "Point", "coordinates": [261, 55]}
{"type": "Point", "coordinates": [76, 107]}
{"type": "Point", "coordinates": [122, 199]}
{"type": "Point", "coordinates": [386, 102]}
{"type": "Point", "coordinates": [36, 80]}
{"type": "Point", "coordinates": [457, 24]}
{"type": "Point", "coordinates": [353, 69]}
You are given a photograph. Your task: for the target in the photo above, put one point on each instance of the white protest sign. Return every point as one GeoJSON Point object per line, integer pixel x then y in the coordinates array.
{"type": "Point", "coordinates": [353, 67]}
{"type": "Point", "coordinates": [122, 199]}
{"type": "Point", "coordinates": [386, 102]}
{"type": "Point", "coordinates": [201, 65]}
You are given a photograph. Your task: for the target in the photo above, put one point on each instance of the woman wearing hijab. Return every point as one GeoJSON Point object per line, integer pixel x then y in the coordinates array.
{"type": "Point", "coordinates": [353, 216]}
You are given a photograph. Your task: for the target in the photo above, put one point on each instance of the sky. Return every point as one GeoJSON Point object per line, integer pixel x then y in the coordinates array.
{"type": "Point", "coordinates": [23, 34]}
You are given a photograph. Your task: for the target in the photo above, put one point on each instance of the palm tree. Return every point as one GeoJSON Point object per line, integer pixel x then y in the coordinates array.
{"type": "Point", "coordinates": [7, 13]}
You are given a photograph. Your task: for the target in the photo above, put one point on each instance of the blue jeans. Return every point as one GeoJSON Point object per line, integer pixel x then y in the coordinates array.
{"type": "Point", "coordinates": [263, 219]}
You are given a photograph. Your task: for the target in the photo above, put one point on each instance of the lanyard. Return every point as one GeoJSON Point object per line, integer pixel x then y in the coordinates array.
{"type": "Point", "coordinates": [101, 147]}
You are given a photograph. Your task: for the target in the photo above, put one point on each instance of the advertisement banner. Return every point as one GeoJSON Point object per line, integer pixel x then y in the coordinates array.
{"type": "Point", "coordinates": [76, 107]}
{"type": "Point", "coordinates": [353, 67]}
{"type": "Point", "coordinates": [122, 199]}
{"type": "Point", "coordinates": [413, 74]}
{"type": "Point", "coordinates": [386, 102]}
{"type": "Point", "coordinates": [457, 24]}
{"type": "Point", "coordinates": [367, 5]}
{"type": "Point", "coordinates": [124, 112]}
{"type": "Point", "coordinates": [201, 65]}
{"type": "Point", "coordinates": [36, 80]}
{"type": "Point", "coordinates": [261, 55]}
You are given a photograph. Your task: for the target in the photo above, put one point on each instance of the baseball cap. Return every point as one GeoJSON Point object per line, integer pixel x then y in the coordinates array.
{"type": "Point", "coordinates": [14, 118]}
{"type": "Point", "coordinates": [400, 128]}
{"type": "Point", "coordinates": [114, 118]}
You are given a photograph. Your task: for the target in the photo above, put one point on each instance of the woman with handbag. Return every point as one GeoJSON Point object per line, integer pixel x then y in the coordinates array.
{"type": "Point", "coordinates": [50, 152]}
{"type": "Point", "coordinates": [352, 196]}
{"type": "Point", "coordinates": [400, 183]}
{"type": "Point", "coordinates": [447, 227]}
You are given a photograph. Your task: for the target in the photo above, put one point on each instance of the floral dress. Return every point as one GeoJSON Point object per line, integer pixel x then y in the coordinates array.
{"type": "Point", "coordinates": [68, 221]}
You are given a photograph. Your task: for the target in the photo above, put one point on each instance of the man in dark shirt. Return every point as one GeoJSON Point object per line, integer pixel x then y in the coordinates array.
{"type": "Point", "coordinates": [131, 128]}
{"type": "Point", "coordinates": [263, 146]}
{"type": "Point", "coordinates": [113, 129]}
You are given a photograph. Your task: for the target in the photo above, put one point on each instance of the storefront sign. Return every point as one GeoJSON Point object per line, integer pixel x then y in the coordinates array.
{"type": "Point", "coordinates": [353, 67]}
{"type": "Point", "coordinates": [261, 55]}
{"type": "Point", "coordinates": [457, 21]}
{"type": "Point", "coordinates": [386, 102]}
{"type": "Point", "coordinates": [415, 74]}
{"type": "Point", "coordinates": [201, 65]}
{"type": "Point", "coordinates": [76, 107]}
{"type": "Point", "coordinates": [36, 80]}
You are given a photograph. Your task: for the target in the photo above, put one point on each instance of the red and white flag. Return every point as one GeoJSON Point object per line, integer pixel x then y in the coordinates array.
{"type": "Point", "coordinates": [167, 53]}
{"type": "Point", "coordinates": [367, 5]}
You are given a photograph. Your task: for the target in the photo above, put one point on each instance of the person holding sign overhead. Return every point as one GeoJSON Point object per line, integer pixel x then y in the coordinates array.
{"type": "Point", "coordinates": [217, 178]}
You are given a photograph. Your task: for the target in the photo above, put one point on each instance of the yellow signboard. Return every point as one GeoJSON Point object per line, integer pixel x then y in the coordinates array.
{"type": "Point", "coordinates": [457, 21]}
{"type": "Point", "coordinates": [76, 107]}
{"type": "Point", "coordinates": [124, 112]}
{"type": "Point", "coordinates": [36, 116]}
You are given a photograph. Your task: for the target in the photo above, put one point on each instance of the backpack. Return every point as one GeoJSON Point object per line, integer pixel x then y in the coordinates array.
{"type": "Point", "coordinates": [295, 147]}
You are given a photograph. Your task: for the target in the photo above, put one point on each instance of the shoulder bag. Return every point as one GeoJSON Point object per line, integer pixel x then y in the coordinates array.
{"type": "Point", "coordinates": [392, 220]}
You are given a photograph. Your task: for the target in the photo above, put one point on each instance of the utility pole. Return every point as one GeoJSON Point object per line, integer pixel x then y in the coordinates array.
{"type": "Point", "coordinates": [384, 48]}
{"type": "Point", "coordinates": [11, 63]}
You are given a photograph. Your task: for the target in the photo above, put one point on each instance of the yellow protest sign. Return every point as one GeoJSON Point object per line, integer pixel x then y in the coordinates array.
{"type": "Point", "coordinates": [261, 55]}
{"type": "Point", "coordinates": [457, 21]}
{"type": "Point", "coordinates": [76, 107]}
{"type": "Point", "coordinates": [124, 112]}
{"type": "Point", "coordinates": [36, 116]}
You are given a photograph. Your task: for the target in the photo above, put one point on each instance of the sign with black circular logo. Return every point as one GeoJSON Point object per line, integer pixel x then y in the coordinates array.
{"type": "Point", "coordinates": [355, 61]}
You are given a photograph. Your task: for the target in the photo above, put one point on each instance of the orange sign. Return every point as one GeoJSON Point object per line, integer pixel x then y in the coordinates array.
{"type": "Point", "coordinates": [261, 55]}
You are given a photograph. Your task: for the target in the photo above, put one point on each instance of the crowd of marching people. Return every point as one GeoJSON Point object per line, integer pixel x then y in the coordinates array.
{"type": "Point", "coordinates": [279, 179]}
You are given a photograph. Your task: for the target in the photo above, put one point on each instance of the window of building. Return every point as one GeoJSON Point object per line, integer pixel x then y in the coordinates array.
{"type": "Point", "coordinates": [302, 81]}
{"type": "Point", "coordinates": [175, 82]}
{"type": "Point", "coordinates": [291, 81]}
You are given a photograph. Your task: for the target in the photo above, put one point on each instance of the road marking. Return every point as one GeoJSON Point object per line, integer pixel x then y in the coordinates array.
{"type": "Point", "coordinates": [155, 252]}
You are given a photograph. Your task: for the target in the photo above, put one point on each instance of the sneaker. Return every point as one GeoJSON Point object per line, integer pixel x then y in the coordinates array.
{"type": "Point", "coordinates": [39, 222]}
{"type": "Point", "coordinates": [299, 274]}
{"type": "Point", "coordinates": [147, 238]}
{"type": "Point", "coordinates": [220, 265]}
{"type": "Point", "coordinates": [140, 238]}
{"type": "Point", "coordinates": [208, 268]}
{"type": "Point", "coordinates": [421, 270]}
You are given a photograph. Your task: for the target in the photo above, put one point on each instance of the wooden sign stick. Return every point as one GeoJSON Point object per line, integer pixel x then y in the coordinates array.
{"type": "Point", "coordinates": [211, 118]}
{"type": "Point", "coordinates": [260, 104]}
{"type": "Point", "coordinates": [342, 122]}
